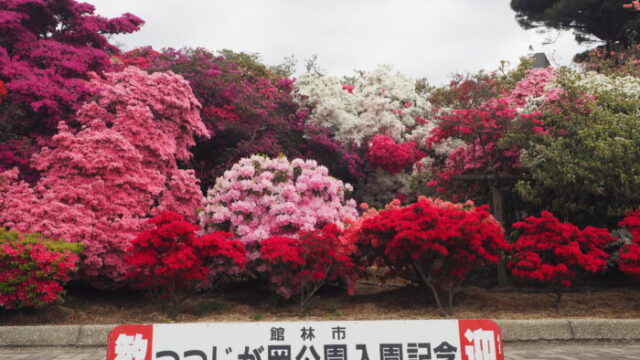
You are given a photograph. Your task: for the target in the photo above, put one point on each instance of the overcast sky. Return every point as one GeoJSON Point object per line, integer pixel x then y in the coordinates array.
{"type": "Point", "coordinates": [422, 38]}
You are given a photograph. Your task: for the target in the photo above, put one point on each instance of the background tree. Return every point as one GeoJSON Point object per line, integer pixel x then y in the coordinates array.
{"type": "Point", "coordinates": [591, 20]}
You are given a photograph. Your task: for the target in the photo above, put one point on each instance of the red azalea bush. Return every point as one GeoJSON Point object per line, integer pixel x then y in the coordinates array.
{"type": "Point", "coordinates": [553, 253]}
{"type": "Point", "coordinates": [385, 153]}
{"type": "Point", "coordinates": [298, 267]}
{"type": "Point", "coordinates": [433, 243]}
{"type": "Point", "coordinates": [170, 259]}
{"type": "Point", "coordinates": [33, 269]}
{"type": "Point", "coordinates": [629, 259]}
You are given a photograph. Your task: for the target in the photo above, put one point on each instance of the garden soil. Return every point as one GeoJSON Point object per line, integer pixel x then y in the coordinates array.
{"type": "Point", "coordinates": [248, 302]}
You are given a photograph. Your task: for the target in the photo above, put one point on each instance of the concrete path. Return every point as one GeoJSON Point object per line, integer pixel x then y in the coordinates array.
{"type": "Point", "coordinates": [514, 351]}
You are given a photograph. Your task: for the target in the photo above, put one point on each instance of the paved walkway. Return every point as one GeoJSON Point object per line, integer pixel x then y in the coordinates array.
{"type": "Point", "coordinates": [530, 351]}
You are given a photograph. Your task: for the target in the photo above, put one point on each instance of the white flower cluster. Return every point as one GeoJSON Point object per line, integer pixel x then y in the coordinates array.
{"type": "Point", "coordinates": [380, 102]}
{"type": "Point", "coordinates": [597, 84]}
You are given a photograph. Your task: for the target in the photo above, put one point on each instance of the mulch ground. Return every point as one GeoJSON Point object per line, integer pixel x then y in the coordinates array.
{"type": "Point", "coordinates": [247, 302]}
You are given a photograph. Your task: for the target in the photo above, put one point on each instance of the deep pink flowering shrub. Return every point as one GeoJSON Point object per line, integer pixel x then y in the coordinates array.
{"type": "Point", "coordinates": [47, 48]}
{"type": "Point", "coordinates": [553, 253]}
{"type": "Point", "coordinates": [34, 269]}
{"type": "Point", "coordinates": [246, 114]}
{"type": "Point", "coordinates": [261, 197]}
{"type": "Point", "coordinates": [170, 259]}
{"type": "Point", "coordinates": [100, 183]}
{"type": "Point", "coordinates": [297, 267]}
{"type": "Point", "coordinates": [385, 153]}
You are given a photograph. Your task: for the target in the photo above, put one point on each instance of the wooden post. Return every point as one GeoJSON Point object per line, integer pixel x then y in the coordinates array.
{"type": "Point", "coordinates": [498, 213]}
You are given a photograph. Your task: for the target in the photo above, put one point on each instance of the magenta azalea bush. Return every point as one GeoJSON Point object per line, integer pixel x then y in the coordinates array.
{"type": "Point", "coordinates": [101, 183]}
{"type": "Point", "coordinates": [260, 197]}
{"type": "Point", "coordinates": [247, 110]}
{"type": "Point", "coordinates": [47, 49]}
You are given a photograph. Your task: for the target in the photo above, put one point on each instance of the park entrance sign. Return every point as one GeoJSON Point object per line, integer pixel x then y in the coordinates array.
{"type": "Point", "coordinates": [322, 340]}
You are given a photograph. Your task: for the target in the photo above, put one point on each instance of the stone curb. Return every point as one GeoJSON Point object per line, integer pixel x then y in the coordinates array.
{"type": "Point", "coordinates": [512, 330]}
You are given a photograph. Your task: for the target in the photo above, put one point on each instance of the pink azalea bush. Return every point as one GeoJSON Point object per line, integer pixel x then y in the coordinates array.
{"type": "Point", "coordinates": [247, 110]}
{"type": "Point", "coordinates": [260, 197]}
{"type": "Point", "coordinates": [101, 183]}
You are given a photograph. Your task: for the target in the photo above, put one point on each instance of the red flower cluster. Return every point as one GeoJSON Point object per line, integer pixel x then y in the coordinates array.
{"type": "Point", "coordinates": [481, 131]}
{"type": "Point", "coordinates": [171, 258]}
{"type": "Point", "coordinates": [432, 242]}
{"type": "Point", "coordinates": [385, 153]}
{"type": "Point", "coordinates": [552, 252]}
{"type": "Point", "coordinates": [32, 274]}
{"type": "Point", "coordinates": [629, 259]}
{"type": "Point", "coordinates": [3, 91]}
{"type": "Point", "coordinates": [348, 88]}
{"type": "Point", "coordinates": [140, 57]}
{"type": "Point", "coordinates": [298, 267]}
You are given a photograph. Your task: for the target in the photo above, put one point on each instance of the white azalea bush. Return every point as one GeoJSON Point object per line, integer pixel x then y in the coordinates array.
{"type": "Point", "coordinates": [381, 103]}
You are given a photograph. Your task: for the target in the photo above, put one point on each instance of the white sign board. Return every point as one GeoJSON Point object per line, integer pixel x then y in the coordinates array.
{"type": "Point", "coordinates": [322, 340]}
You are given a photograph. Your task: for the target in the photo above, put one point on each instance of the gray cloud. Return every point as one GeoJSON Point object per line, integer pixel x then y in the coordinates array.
{"type": "Point", "coordinates": [423, 38]}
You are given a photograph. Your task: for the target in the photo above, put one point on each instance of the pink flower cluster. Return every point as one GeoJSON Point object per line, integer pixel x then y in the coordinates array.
{"type": "Point", "coordinates": [532, 86]}
{"type": "Point", "coordinates": [261, 197]}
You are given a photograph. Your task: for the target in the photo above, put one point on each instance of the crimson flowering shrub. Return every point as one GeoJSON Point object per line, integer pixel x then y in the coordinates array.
{"type": "Point", "coordinates": [47, 49]}
{"type": "Point", "coordinates": [298, 267]}
{"type": "Point", "coordinates": [351, 234]}
{"type": "Point", "coordinates": [432, 242]}
{"type": "Point", "coordinates": [385, 153]}
{"type": "Point", "coordinates": [169, 260]}
{"type": "Point", "coordinates": [34, 269]}
{"type": "Point", "coordinates": [553, 253]}
{"type": "Point", "coordinates": [465, 92]}
{"type": "Point", "coordinates": [101, 183]}
{"type": "Point", "coordinates": [481, 131]}
{"type": "Point", "coordinates": [629, 259]}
